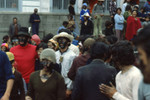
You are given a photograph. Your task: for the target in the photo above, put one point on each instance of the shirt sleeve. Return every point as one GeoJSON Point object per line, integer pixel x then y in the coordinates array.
{"type": "Point", "coordinates": [7, 68]}
{"type": "Point", "coordinates": [140, 92]}
{"type": "Point", "coordinates": [77, 90]}
{"type": "Point", "coordinates": [135, 84]}
{"type": "Point", "coordinates": [118, 96]}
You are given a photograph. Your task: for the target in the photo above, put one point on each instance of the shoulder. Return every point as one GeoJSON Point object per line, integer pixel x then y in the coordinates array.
{"type": "Point", "coordinates": [34, 74]}
{"type": "Point", "coordinates": [57, 75]}
{"type": "Point", "coordinates": [136, 72]}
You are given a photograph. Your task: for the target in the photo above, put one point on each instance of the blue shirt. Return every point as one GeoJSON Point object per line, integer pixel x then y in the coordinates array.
{"type": "Point", "coordinates": [119, 22]}
{"type": "Point", "coordinates": [82, 13]}
{"type": "Point", "coordinates": [5, 72]}
{"type": "Point", "coordinates": [147, 7]}
{"type": "Point", "coordinates": [144, 91]}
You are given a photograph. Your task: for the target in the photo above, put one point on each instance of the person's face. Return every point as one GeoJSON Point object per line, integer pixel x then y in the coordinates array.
{"type": "Point", "coordinates": [3, 48]}
{"type": "Point", "coordinates": [147, 19]}
{"type": "Point", "coordinates": [119, 11]}
{"type": "Point", "coordinates": [143, 56]}
{"type": "Point", "coordinates": [23, 40]}
{"type": "Point", "coordinates": [15, 21]}
{"type": "Point", "coordinates": [50, 45]}
{"type": "Point", "coordinates": [100, 2]}
{"type": "Point", "coordinates": [46, 64]}
{"type": "Point", "coordinates": [128, 1]}
{"type": "Point", "coordinates": [85, 18]}
{"type": "Point", "coordinates": [35, 10]}
{"type": "Point", "coordinates": [15, 42]}
{"type": "Point", "coordinates": [39, 51]}
{"type": "Point", "coordinates": [63, 43]}
{"type": "Point", "coordinates": [134, 13]}
{"type": "Point", "coordinates": [84, 7]}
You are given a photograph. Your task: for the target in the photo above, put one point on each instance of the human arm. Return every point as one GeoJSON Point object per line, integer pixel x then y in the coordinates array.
{"type": "Point", "coordinates": [21, 87]}
{"type": "Point", "coordinates": [77, 90]}
{"type": "Point", "coordinates": [72, 71]}
{"type": "Point", "coordinates": [30, 92]}
{"type": "Point", "coordinates": [111, 92]}
{"type": "Point", "coordinates": [10, 30]}
{"type": "Point", "coordinates": [8, 90]}
{"type": "Point", "coordinates": [8, 76]}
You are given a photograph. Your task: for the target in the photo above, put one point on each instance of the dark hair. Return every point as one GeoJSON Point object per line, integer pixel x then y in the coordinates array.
{"type": "Point", "coordinates": [65, 30]}
{"type": "Point", "coordinates": [108, 23]}
{"type": "Point", "coordinates": [143, 40]}
{"type": "Point", "coordinates": [47, 37]}
{"type": "Point", "coordinates": [147, 16]}
{"type": "Point", "coordinates": [112, 39]}
{"type": "Point", "coordinates": [128, 7]}
{"type": "Point", "coordinates": [5, 38]}
{"type": "Point", "coordinates": [118, 9]}
{"type": "Point", "coordinates": [122, 53]}
{"type": "Point", "coordinates": [41, 45]}
{"type": "Point", "coordinates": [65, 23]}
{"type": "Point", "coordinates": [99, 50]}
{"type": "Point", "coordinates": [15, 18]}
{"type": "Point", "coordinates": [133, 11]}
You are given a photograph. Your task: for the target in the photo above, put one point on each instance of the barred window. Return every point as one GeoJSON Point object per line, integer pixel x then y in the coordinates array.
{"type": "Point", "coordinates": [60, 5]}
{"type": "Point", "coordinates": [9, 4]}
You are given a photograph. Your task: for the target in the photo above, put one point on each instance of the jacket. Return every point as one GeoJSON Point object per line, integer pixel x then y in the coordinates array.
{"type": "Point", "coordinates": [88, 79]}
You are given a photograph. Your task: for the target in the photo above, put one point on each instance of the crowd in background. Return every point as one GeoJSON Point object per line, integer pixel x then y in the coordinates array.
{"type": "Point", "coordinates": [80, 64]}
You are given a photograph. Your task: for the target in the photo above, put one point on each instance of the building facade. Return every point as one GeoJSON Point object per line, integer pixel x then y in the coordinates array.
{"type": "Point", "coordinates": [47, 6]}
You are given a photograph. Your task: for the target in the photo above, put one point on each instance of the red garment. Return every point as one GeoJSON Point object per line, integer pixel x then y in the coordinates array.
{"type": "Point", "coordinates": [92, 3]}
{"type": "Point", "coordinates": [132, 27]}
{"type": "Point", "coordinates": [25, 58]}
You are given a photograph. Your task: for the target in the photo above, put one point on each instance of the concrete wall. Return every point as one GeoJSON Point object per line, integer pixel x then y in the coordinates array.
{"type": "Point", "coordinates": [49, 22]}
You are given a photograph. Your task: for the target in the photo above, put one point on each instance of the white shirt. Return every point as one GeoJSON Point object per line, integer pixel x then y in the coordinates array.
{"type": "Point", "coordinates": [127, 84]}
{"type": "Point", "coordinates": [75, 49]}
{"type": "Point", "coordinates": [124, 8]}
{"type": "Point", "coordinates": [68, 58]}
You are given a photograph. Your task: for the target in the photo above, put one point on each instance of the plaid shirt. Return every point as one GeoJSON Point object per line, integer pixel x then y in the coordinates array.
{"type": "Point", "coordinates": [112, 7]}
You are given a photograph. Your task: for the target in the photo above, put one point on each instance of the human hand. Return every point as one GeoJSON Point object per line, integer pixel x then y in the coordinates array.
{"type": "Point", "coordinates": [112, 16]}
{"type": "Point", "coordinates": [107, 90]}
{"type": "Point", "coordinates": [101, 15]}
{"type": "Point", "coordinates": [68, 93]}
{"type": "Point", "coordinates": [28, 98]}
{"type": "Point", "coordinates": [5, 97]}
{"type": "Point", "coordinates": [95, 17]}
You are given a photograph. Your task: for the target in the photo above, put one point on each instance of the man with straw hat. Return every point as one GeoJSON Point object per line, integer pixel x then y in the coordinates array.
{"type": "Point", "coordinates": [65, 57]}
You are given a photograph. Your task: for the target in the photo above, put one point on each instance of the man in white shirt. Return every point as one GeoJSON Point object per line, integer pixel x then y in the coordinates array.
{"type": "Point", "coordinates": [128, 79]}
{"type": "Point", "coordinates": [65, 57]}
{"type": "Point", "coordinates": [124, 5]}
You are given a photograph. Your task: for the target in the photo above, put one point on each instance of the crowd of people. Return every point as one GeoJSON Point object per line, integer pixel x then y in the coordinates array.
{"type": "Point", "coordinates": [90, 64]}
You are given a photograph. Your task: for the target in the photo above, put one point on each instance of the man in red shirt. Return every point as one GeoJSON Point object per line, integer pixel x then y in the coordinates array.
{"type": "Point", "coordinates": [25, 55]}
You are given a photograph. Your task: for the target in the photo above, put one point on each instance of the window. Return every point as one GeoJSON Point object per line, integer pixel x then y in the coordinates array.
{"type": "Point", "coordinates": [9, 4]}
{"type": "Point", "coordinates": [60, 6]}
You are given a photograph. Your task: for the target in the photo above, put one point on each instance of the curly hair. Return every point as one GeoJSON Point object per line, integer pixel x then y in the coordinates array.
{"type": "Point", "coordinates": [123, 54]}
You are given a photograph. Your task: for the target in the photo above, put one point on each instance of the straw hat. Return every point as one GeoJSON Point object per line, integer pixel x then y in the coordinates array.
{"type": "Point", "coordinates": [63, 34]}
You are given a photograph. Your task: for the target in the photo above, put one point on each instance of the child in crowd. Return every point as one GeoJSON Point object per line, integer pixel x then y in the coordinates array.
{"type": "Point", "coordinates": [18, 91]}
{"type": "Point", "coordinates": [109, 28]}
{"type": "Point", "coordinates": [4, 47]}
{"type": "Point", "coordinates": [146, 22]}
